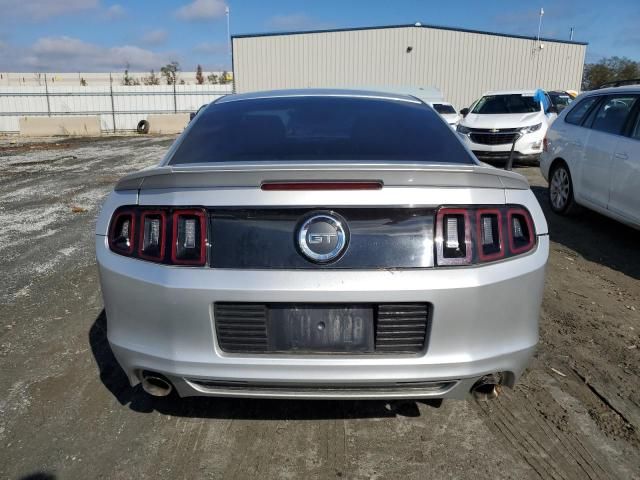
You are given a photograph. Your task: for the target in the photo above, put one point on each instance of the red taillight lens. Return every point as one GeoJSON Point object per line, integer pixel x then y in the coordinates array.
{"type": "Point", "coordinates": [489, 234]}
{"type": "Point", "coordinates": [152, 235]}
{"type": "Point", "coordinates": [545, 144]}
{"type": "Point", "coordinates": [121, 232]}
{"type": "Point", "coordinates": [164, 235]}
{"type": "Point", "coordinates": [453, 237]}
{"type": "Point", "coordinates": [521, 234]}
{"type": "Point", "coordinates": [466, 236]}
{"type": "Point", "coordinates": [188, 244]}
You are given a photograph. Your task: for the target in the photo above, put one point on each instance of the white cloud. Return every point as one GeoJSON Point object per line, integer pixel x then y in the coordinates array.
{"type": "Point", "coordinates": [71, 54]}
{"type": "Point", "coordinates": [295, 21]}
{"type": "Point", "coordinates": [43, 9]}
{"type": "Point", "coordinates": [202, 10]}
{"type": "Point", "coordinates": [154, 37]}
{"type": "Point", "coordinates": [114, 12]}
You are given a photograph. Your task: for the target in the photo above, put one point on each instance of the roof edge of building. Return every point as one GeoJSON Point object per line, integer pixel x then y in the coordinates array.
{"type": "Point", "coordinates": [421, 25]}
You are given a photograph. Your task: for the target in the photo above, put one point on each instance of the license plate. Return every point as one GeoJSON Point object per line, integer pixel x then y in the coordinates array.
{"type": "Point", "coordinates": [320, 328]}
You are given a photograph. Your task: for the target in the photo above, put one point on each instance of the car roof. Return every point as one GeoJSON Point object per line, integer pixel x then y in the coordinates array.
{"type": "Point", "coordinates": [511, 92]}
{"type": "Point", "coordinates": [623, 89]}
{"type": "Point", "coordinates": [319, 92]}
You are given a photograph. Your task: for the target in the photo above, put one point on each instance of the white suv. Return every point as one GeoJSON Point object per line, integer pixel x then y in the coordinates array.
{"type": "Point", "coordinates": [491, 124]}
{"type": "Point", "coordinates": [447, 112]}
{"type": "Point", "coordinates": [592, 155]}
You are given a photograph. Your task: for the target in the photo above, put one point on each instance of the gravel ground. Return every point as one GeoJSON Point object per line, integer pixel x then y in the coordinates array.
{"type": "Point", "coordinates": [66, 410]}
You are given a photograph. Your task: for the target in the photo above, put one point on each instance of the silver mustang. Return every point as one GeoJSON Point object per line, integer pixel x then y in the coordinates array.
{"type": "Point", "coordinates": [322, 244]}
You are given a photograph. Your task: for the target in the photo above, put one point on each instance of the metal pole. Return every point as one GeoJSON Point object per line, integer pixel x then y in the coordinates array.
{"type": "Point", "coordinates": [540, 24]}
{"type": "Point", "coordinates": [175, 104]}
{"type": "Point", "coordinates": [113, 107]}
{"type": "Point", "coordinates": [227, 12]}
{"type": "Point", "coordinates": [509, 165]}
{"type": "Point", "coordinates": [230, 48]}
{"type": "Point", "coordinates": [46, 91]}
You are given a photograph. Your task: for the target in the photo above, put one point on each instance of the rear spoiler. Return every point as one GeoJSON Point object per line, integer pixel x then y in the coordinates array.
{"type": "Point", "coordinates": [253, 175]}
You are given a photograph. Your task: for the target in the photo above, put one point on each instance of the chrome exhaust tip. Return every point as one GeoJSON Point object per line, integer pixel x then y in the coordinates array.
{"type": "Point", "coordinates": [487, 388]}
{"type": "Point", "coordinates": [155, 384]}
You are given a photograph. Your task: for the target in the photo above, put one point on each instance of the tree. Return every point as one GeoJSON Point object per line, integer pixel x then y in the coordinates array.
{"type": "Point", "coordinates": [224, 78]}
{"type": "Point", "coordinates": [152, 79]}
{"type": "Point", "coordinates": [199, 75]}
{"type": "Point", "coordinates": [213, 78]}
{"type": "Point", "coordinates": [609, 70]}
{"type": "Point", "coordinates": [170, 72]}
{"type": "Point", "coordinates": [83, 82]}
{"type": "Point", "coordinates": [129, 80]}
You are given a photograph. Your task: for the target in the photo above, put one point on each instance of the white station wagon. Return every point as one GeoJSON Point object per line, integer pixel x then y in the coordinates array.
{"type": "Point", "coordinates": [592, 155]}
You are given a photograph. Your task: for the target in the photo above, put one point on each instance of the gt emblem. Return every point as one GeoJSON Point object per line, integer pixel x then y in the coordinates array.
{"type": "Point", "coordinates": [322, 237]}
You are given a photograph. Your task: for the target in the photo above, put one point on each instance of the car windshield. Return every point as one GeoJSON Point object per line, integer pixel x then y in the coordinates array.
{"type": "Point", "coordinates": [323, 128]}
{"type": "Point", "coordinates": [443, 108]}
{"type": "Point", "coordinates": [501, 104]}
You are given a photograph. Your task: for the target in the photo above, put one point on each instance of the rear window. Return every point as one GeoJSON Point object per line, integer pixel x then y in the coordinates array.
{"type": "Point", "coordinates": [503, 104]}
{"type": "Point", "coordinates": [560, 99]}
{"type": "Point", "coordinates": [443, 108]}
{"type": "Point", "coordinates": [319, 128]}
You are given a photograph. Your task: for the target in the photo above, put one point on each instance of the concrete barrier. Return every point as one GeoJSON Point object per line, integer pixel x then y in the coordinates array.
{"type": "Point", "coordinates": [167, 123]}
{"type": "Point", "coordinates": [51, 126]}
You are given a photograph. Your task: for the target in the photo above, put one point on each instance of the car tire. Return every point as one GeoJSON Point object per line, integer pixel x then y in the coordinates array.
{"type": "Point", "coordinates": [560, 190]}
{"type": "Point", "coordinates": [143, 127]}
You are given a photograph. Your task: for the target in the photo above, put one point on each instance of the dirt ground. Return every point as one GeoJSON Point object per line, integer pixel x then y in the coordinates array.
{"type": "Point", "coordinates": [66, 410]}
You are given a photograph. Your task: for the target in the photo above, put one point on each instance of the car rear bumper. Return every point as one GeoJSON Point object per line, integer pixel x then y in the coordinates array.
{"type": "Point", "coordinates": [485, 320]}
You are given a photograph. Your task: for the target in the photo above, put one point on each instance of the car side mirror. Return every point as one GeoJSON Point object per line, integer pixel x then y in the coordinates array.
{"type": "Point", "coordinates": [464, 112]}
{"type": "Point", "coordinates": [192, 115]}
{"type": "Point", "coordinates": [552, 109]}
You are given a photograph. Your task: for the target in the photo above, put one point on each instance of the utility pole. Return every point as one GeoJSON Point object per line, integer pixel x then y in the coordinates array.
{"type": "Point", "coordinates": [540, 25]}
{"type": "Point", "coordinates": [230, 48]}
{"type": "Point", "coordinates": [226, 11]}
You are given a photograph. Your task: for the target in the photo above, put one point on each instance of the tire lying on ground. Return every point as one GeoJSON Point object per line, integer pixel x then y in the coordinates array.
{"type": "Point", "coordinates": [143, 127]}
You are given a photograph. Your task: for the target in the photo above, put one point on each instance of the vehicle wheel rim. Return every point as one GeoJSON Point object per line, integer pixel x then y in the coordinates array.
{"type": "Point", "coordinates": [560, 188]}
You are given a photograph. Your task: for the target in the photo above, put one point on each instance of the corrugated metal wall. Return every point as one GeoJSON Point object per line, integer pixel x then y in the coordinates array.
{"type": "Point", "coordinates": [463, 65]}
{"type": "Point", "coordinates": [130, 103]}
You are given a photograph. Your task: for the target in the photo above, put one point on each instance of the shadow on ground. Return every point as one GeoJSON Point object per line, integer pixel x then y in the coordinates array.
{"type": "Point", "coordinates": [114, 378]}
{"type": "Point", "coordinates": [595, 237]}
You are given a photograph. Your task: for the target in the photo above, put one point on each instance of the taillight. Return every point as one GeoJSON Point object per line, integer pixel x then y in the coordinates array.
{"type": "Point", "coordinates": [490, 237]}
{"type": "Point", "coordinates": [521, 235]}
{"type": "Point", "coordinates": [188, 246]}
{"type": "Point", "coordinates": [152, 234]}
{"type": "Point", "coordinates": [466, 236]}
{"type": "Point", "coordinates": [122, 232]}
{"type": "Point", "coordinates": [339, 185]}
{"type": "Point", "coordinates": [545, 144]}
{"type": "Point", "coordinates": [164, 235]}
{"type": "Point", "coordinates": [453, 237]}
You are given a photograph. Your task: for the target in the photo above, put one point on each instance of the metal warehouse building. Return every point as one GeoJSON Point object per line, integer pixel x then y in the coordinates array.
{"type": "Point", "coordinates": [463, 64]}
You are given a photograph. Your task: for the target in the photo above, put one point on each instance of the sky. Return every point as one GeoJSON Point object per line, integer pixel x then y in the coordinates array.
{"type": "Point", "coordinates": [106, 35]}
